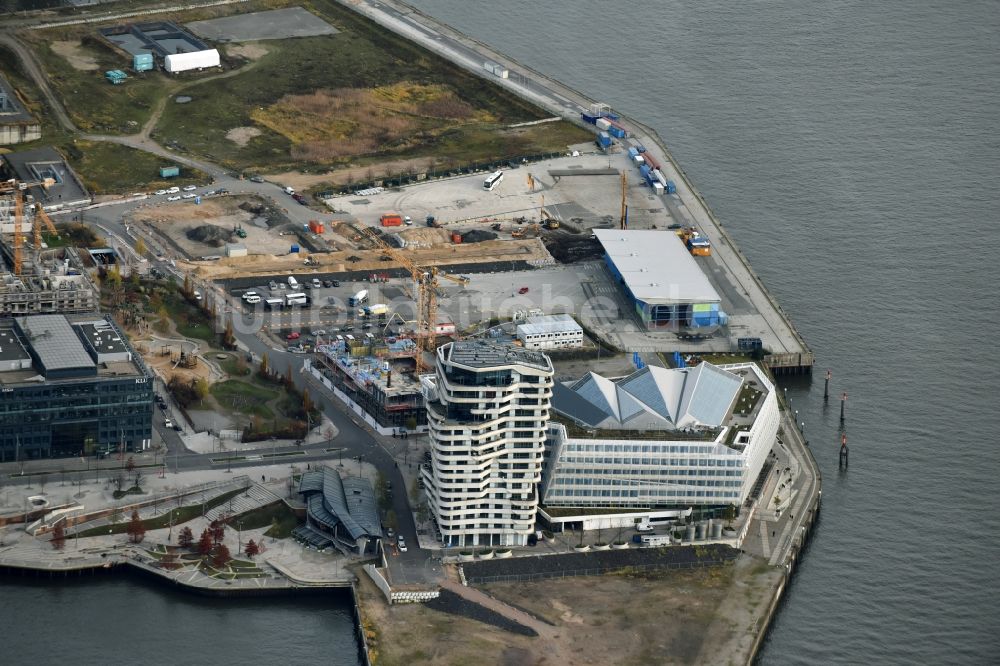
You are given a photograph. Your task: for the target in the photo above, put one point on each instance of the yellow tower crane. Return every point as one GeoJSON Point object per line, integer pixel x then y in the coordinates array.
{"type": "Point", "coordinates": [425, 283]}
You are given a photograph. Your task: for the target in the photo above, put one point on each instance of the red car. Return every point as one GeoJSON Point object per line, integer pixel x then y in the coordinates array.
{"type": "Point", "coordinates": [522, 290]}
{"type": "Point", "coordinates": [294, 335]}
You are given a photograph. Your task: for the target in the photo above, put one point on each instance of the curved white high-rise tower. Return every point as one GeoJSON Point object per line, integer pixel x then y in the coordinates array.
{"type": "Point", "coordinates": [487, 411]}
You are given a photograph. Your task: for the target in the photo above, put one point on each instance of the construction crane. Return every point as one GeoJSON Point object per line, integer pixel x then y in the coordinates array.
{"type": "Point", "coordinates": [16, 190]}
{"type": "Point", "coordinates": [624, 218]}
{"type": "Point", "coordinates": [531, 183]}
{"type": "Point", "coordinates": [460, 279]}
{"type": "Point", "coordinates": [425, 282]}
{"type": "Point", "coordinates": [40, 214]}
{"type": "Point", "coordinates": [547, 220]}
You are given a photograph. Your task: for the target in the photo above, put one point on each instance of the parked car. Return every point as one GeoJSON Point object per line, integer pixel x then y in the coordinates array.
{"type": "Point", "coordinates": [168, 423]}
{"type": "Point", "coordinates": [176, 197]}
{"type": "Point", "coordinates": [272, 285]}
{"type": "Point", "coordinates": [522, 290]}
{"type": "Point", "coordinates": [256, 179]}
{"type": "Point", "coordinates": [402, 544]}
{"type": "Point", "coordinates": [336, 283]}
{"type": "Point", "coordinates": [189, 196]}
{"type": "Point", "coordinates": [197, 296]}
{"type": "Point", "coordinates": [190, 188]}
{"type": "Point", "coordinates": [316, 284]}
{"type": "Point", "coordinates": [327, 283]}
{"type": "Point", "coordinates": [160, 193]}
{"type": "Point", "coordinates": [173, 190]}
{"type": "Point", "coordinates": [318, 332]}
{"type": "Point", "coordinates": [407, 220]}
{"type": "Point", "coordinates": [294, 335]}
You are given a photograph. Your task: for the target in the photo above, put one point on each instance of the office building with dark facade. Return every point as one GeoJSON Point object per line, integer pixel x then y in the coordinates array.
{"type": "Point", "coordinates": [70, 386]}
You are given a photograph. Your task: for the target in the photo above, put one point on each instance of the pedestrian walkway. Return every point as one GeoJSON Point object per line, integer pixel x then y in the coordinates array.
{"type": "Point", "coordinates": [255, 497]}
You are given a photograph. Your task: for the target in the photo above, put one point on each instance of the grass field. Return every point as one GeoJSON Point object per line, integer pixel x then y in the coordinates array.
{"type": "Point", "coordinates": [357, 98]}
{"type": "Point", "coordinates": [244, 397]}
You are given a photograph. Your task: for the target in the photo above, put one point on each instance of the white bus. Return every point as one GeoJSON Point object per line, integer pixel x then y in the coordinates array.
{"type": "Point", "coordinates": [295, 298]}
{"type": "Point", "coordinates": [274, 303]}
{"type": "Point", "coordinates": [493, 180]}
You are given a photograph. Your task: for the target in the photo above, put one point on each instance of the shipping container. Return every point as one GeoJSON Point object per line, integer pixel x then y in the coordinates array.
{"type": "Point", "coordinates": [316, 227]}
{"type": "Point", "coordinates": [611, 116]}
{"type": "Point", "coordinates": [391, 220]}
{"type": "Point", "coordinates": [645, 171]}
{"type": "Point", "coordinates": [294, 249]}
{"type": "Point", "coordinates": [603, 139]}
{"type": "Point", "coordinates": [617, 132]}
{"type": "Point", "coordinates": [658, 188]}
{"type": "Point", "coordinates": [658, 175]}
{"type": "Point", "coordinates": [603, 123]}
{"type": "Point", "coordinates": [639, 159]}
{"type": "Point", "coordinates": [587, 118]}
{"type": "Point", "coordinates": [456, 238]}
{"type": "Point", "coordinates": [633, 153]}
{"type": "Point", "coordinates": [671, 187]}
{"type": "Point", "coordinates": [170, 172]}
{"type": "Point", "coordinates": [142, 62]}
{"type": "Point", "coordinates": [651, 161]}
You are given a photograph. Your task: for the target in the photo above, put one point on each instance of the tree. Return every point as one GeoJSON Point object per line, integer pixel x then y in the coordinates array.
{"type": "Point", "coordinates": [217, 529]}
{"type": "Point", "coordinates": [130, 464]}
{"type": "Point", "coordinates": [135, 529]}
{"type": "Point", "coordinates": [307, 403]}
{"type": "Point", "coordinates": [186, 289]}
{"type": "Point", "coordinates": [59, 536]}
{"type": "Point", "coordinates": [201, 388]}
{"type": "Point", "coordinates": [228, 337]}
{"type": "Point", "coordinates": [140, 247]}
{"type": "Point", "coordinates": [221, 556]}
{"type": "Point", "coordinates": [252, 548]}
{"type": "Point", "coordinates": [265, 369]}
{"type": "Point", "coordinates": [205, 543]}
{"type": "Point", "coordinates": [185, 538]}
{"type": "Point", "coordinates": [288, 377]}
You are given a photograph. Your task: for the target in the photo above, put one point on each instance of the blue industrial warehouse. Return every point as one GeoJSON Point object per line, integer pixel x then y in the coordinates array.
{"type": "Point", "coordinates": [667, 286]}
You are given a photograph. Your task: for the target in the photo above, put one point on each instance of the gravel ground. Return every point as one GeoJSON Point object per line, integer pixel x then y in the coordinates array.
{"type": "Point", "coordinates": [597, 562]}
{"type": "Point", "coordinates": [449, 602]}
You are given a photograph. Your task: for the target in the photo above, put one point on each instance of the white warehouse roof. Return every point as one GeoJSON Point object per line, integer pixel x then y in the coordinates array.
{"type": "Point", "coordinates": [562, 323]}
{"type": "Point", "coordinates": [656, 266]}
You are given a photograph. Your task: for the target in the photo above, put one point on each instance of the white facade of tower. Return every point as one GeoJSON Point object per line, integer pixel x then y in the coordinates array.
{"type": "Point", "coordinates": [487, 412]}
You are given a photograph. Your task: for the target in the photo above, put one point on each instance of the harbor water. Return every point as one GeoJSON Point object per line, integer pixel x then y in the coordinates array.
{"type": "Point", "coordinates": [851, 148]}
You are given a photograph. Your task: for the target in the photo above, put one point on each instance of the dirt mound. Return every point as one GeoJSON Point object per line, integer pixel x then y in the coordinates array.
{"type": "Point", "coordinates": [571, 248]}
{"type": "Point", "coordinates": [209, 234]}
{"type": "Point", "coordinates": [478, 236]}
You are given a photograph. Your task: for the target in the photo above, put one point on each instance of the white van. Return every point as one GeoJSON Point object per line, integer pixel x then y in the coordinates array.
{"type": "Point", "coordinates": [292, 282]}
{"type": "Point", "coordinates": [253, 299]}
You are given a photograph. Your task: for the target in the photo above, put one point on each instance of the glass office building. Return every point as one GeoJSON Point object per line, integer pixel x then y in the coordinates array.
{"type": "Point", "coordinates": [70, 386]}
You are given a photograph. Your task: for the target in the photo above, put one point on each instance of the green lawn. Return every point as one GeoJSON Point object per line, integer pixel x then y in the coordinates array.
{"type": "Point", "coordinates": [180, 515]}
{"type": "Point", "coordinates": [244, 397]}
{"type": "Point", "coordinates": [110, 168]}
{"type": "Point", "coordinates": [266, 515]}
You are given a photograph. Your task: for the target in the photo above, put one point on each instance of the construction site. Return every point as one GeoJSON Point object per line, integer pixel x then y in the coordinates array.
{"type": "Point", "coordinates": [36, 278]}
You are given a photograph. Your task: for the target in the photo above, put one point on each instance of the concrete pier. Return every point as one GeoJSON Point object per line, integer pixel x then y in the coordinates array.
{"type": "Point", "coordinates": [789, 354]}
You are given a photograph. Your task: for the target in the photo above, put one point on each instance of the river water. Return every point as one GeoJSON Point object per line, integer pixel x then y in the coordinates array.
{"type": "Point", "coordinates": [851, 148]}
{"type": "Point", "coordinates": [119, 619]}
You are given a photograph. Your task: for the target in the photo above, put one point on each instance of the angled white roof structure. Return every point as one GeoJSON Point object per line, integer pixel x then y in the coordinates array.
{"type": "Point", "coordinates": [656, 266]}
{"type": "Point", "coordinates": [653, 398]}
